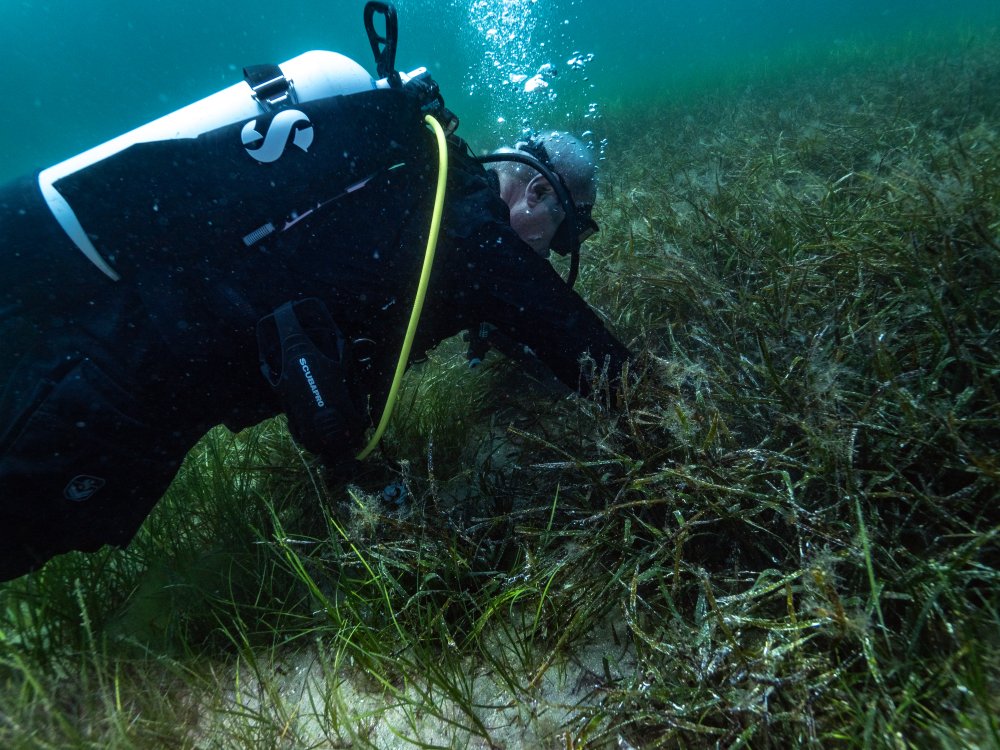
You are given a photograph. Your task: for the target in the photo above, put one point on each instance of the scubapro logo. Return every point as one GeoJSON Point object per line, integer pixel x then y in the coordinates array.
{"type": "Point", "coordinates": [288, 126]}
{"type": "Point", "coordinates": [82, 487]}
{"type": "Point", "coordinates": [304, 364]}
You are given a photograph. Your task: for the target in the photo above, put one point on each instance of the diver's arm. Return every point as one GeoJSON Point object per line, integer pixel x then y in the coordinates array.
{"type": "Point", "coordinates": [524, 297]}
{"type": "Point", "coordinates": [490, 275]}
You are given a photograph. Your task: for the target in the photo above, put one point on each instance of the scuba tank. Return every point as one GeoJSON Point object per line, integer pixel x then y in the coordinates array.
{"type": "Point", "coordinates": [268, 92]}
{"type": "Point", "coordinates": [265, 88]}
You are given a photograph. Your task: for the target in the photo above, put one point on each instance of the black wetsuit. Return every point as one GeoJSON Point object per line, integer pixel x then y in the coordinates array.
{"type": "Point", "coordinates": [105, 385]}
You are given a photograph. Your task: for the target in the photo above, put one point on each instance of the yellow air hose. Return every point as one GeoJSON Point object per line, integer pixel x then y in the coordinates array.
{"type": "Point", "coordinates": [425, 277]}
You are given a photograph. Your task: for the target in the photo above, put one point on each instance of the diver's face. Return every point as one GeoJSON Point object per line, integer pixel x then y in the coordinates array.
{"type": "Point", "coordinates": [536, 214]}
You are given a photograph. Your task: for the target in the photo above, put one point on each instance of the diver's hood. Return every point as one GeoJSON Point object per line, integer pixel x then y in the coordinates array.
{"type": "Point", "coordinates": [577, 225]}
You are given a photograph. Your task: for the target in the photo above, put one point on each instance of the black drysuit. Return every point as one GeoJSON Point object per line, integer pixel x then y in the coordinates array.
{"type": "Point", "coordinates": [105, 385]}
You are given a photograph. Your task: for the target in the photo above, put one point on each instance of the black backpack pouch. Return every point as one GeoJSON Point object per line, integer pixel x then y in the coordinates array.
{"type": "Point", "coordinates": [307, 361]}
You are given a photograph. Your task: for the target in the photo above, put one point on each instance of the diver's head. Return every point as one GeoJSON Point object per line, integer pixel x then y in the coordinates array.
{"type": "Point", "coordinates": [536, 212]}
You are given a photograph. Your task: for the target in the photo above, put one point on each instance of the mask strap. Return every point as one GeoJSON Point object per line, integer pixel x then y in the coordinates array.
{"type": "Point", "coordinates": [565, 199]}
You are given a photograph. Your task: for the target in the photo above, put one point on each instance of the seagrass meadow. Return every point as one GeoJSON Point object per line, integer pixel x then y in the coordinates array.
{"type": "Point", "coordinates": [786, 534]}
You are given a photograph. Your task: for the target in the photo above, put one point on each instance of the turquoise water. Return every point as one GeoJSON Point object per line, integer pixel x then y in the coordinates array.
{"type": "Point", "coordinates": [78, 72]}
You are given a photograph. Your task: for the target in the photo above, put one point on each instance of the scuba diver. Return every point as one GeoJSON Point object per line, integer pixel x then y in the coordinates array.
{"type": "Point", "coordinates": [257, 252]}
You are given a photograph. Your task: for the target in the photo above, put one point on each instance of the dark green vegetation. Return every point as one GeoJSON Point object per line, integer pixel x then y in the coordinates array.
{"type": "Point", "coordinates": [787, 534]}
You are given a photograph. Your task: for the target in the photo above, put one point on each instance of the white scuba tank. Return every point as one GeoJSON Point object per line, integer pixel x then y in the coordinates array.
{"type": "Point", "coordinates": [309, 76]}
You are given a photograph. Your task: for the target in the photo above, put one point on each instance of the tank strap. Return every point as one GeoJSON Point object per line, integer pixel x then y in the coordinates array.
{"type": "Point", "coordinates": [270, 87]}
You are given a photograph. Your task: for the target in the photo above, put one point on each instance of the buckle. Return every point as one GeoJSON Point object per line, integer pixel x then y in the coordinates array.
{"type": "Point", "coordinates": [270, 87]}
